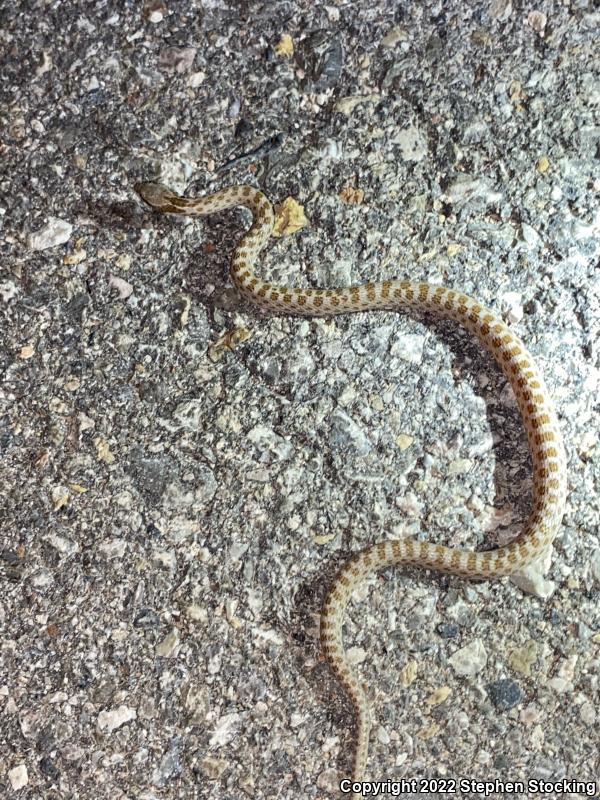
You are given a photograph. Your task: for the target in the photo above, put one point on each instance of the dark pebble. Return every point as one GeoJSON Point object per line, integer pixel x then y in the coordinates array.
{"type": "Point", "coordinates": [504, 694]}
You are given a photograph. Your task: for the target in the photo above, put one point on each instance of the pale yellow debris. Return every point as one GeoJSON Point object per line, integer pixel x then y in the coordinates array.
{"type": "Point", "coordinates": [438, 696]}
{"type": "Point", "coordinates": [103, 450]}
{"type": "Point", "coordinates": [376, 402]}
{"type": "Point", "coordinates": [408, 673]}
{"type": "Point", "coordinates": [517, 95]}
{"type": "Point", "coordinates": [323, 538]}
{"type": "Point", "coordinates": [27, 351]}
{"type": "Point", "coordinates": [346, 105]}
{"type": "Point", "coordinates": [123, 262]}
{"type": "Point", "coordinates": [429, 732]}
{"type": "Point", "coordinates": [453, 249]}
{"type": "Point", "coordinates": [404, 441]}
{"type": "Point", "coordinates": [543, 165]}
{"type": "Point", "coordinates": [78, 254]}
{"type": "Point", "coordinates": [289, 217]}
{"type": "Point", "coordinates": [285, 46]}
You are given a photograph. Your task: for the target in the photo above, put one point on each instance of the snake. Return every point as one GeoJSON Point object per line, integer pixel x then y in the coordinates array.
{"type": "Point", "coordinates": [534, 402]}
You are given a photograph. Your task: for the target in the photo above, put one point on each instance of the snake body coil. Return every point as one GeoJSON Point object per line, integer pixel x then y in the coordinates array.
{"type": "Point", "coordinates": [537, 410]}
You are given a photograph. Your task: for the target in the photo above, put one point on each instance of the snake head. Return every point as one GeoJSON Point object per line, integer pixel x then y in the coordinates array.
{"type": "Point", "coordinates": [156, 195]}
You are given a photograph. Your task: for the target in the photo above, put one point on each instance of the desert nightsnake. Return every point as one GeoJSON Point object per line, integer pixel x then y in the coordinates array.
{"type": "Point", "coordinates": [537, 410]}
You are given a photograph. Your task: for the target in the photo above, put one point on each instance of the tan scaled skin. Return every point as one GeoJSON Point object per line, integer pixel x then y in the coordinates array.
{"type": "Point", "coordinates": [537, 410]}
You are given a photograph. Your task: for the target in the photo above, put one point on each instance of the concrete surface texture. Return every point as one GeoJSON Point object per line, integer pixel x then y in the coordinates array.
{"type": "Point", "coordinates": [180, 476]}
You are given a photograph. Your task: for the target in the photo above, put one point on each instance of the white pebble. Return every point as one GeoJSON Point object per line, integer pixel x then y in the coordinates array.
{"type": "Point", "coordinates": [588, 714]}
{"type": "Point", "coordinates": [109, 721]}
{"type": "Point", "coordinates": [531, 579]}
{"type": "Point", "coordinates": [413, 144]}
{"type": "Point", "coordinates": [560, 685]}
{"type": "Point", "coordinates": [355, 655]}
{"type": "Point", "coordinates": [195, 79]}
{"type": "Point", "coordinates": [225, 730]}
{"type": "Point", "coordinates": [530, 235]}
{"type": "Point", "coordinates": [124, 288]}
{"type": "Point", "coordinates": [409, 347]}
{"type": "Point", "coordinates": [55, 231]}
{"type": "Point", "coordinates": [113, 548]}
{"type": "Point", "coordinates": [512, 301]}
{"type": "Point", "coordinates": [537, 20]}
{"type": "Point", "coordinates": [8, 290]}
{"type": "Point", "coordinates": [469, 660]}
{"type": "Point", "coordinates": [500, 10]}
{"type": "Point", "coordinates": [271, 445]}
{"type": "Point", "coordinates": [18, 777]}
